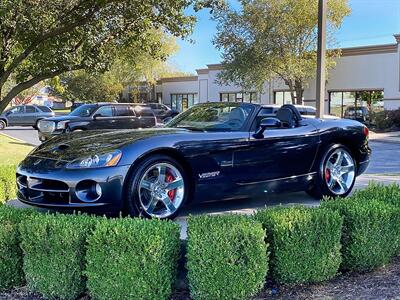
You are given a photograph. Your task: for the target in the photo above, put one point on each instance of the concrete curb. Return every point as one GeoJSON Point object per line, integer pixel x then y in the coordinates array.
{"type": "Point", "coordinates": [16, 139]}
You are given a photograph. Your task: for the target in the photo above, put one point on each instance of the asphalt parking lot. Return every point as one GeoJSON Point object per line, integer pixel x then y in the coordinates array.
{"type": "Point", "coordinates": [384, 167]}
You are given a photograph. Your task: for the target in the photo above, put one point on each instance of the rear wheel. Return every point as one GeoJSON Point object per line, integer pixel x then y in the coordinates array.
{"type": "Point", "coordinates": [337, 173]}
{"type": "Point", "coordinates": [3, 125]}
{"type": "Point", "coordinates": [157, 188]}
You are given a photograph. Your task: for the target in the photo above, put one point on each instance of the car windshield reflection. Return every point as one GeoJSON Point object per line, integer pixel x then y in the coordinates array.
{"type": "Point", "coordinates": [213, 117]}
{"type": "Point", "coordinates": [83, 110]}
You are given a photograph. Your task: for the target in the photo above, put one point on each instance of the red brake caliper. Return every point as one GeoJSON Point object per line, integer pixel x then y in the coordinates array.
{"type": "Point", "coordinates": [169, 178]}
{"type": "Point", "coordinates": [327, 175]}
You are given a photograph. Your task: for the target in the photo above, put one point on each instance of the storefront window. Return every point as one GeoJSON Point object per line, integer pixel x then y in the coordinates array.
{"type": "Point", "coordinates": [357, 105]}
{"type": "Point", "coordinates": [182, 102]}
{"type": "Point", "coordinates": [239, 97]}
{"type": "Point", "coordinates": [283, 97]}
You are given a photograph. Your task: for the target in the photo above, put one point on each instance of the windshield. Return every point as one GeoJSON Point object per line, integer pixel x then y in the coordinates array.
{"type": "Point", "coordinates": [213, 117]}
{"type": "Point", "coordinates": [83, 110]}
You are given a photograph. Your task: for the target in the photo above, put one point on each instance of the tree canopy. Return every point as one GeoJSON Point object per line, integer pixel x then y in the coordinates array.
{"type": "Point", "coordinates": [40, 39]}
{"type": "Point", "coordinates": [268, 39]}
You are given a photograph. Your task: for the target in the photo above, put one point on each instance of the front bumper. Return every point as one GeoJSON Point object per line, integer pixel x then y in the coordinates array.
{"type": "Point", "coordinates": [43, 186]}
{"type": "Point", "coordinates": [46, 136]}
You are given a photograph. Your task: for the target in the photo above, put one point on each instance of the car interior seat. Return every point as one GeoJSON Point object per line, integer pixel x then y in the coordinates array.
{"type": "Point", "coordinates": [289, 115]}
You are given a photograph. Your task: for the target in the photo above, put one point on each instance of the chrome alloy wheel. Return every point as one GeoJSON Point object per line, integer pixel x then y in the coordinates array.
{"type": "Point", "coordinates": [161, 190]}
{"type": "Point", "coordinates": [339, 172]}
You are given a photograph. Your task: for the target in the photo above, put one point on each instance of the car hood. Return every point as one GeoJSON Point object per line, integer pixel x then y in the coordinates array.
{"type": "Point", "coordinates": [68, 147]}
{"type": "Point", "coordinates": [62, 118]}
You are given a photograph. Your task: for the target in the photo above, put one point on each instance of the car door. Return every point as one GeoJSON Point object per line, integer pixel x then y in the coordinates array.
{"type": "Point", "coordinates": [145, 117]}
{"type": "Point", "coordinates": [125, 117]}
{"type": "Point", "coordinates": [30, 115]}
{"type": "Point", "coordinates": [103, 118]}
{"type": "Point", "coordinates": [15, 116]}
{"type": "Point", "coordinates": [279, 154]}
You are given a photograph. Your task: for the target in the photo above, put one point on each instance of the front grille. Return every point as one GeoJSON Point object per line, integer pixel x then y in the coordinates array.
{"type": "Point", "coordinates": [42, 190]}
{"type": "Point", "coordinates": [46, 126]}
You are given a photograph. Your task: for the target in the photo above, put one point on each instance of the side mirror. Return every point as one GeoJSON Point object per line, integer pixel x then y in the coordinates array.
{"type": "Point", "coordinates": [267, 123]}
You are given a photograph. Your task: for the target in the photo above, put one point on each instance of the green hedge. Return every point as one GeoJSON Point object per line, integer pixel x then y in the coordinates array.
{"type": "Point", "coordinates": [8, 186]}
{"type": "Point", "coordinates": [54, 251]}
{"type": "Point", "coordinates": [132, 259]}
{"type": "Point", "coordinates": [226, 257]}
{"type": "Point", "coordinates": [11, 274]}
{"type": "Point", "coordinates": [387, 193]}
{"type": "Point", "coordinates": [305, 243]}
{"type": "Point", "coordinates": [370, 232]}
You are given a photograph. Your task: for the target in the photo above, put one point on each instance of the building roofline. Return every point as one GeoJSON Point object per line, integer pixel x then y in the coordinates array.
{"type": "Point", "coordinates": [177, 79]}
{"type": "Point", "coordinates": [372, 49]}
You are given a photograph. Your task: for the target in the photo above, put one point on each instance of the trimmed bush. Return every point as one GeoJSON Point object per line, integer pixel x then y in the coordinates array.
{"type": "Point", "coordinates": [54, 251]}
{"type": "Point", "coordinates": [226, 257]}
{"type": "Point", "coordinates": [8, 186]}
{"type": "Point", "coordinates": [305, 243]}
{"type": "Point", "coordinates": [11, 274]}
{"type": "Point", "coordinates": [132, 259]}
{"type": "Point", "coordinates": [377, 191]}
{"type": "Point", "coordinates": [370, 232]}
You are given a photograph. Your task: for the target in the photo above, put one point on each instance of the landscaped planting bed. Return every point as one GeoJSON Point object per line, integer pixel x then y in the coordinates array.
{"type": "Point", "coordinates": [227, 257]}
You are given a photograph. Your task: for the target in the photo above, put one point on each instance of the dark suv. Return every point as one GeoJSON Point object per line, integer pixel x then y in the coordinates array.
{"type": "Point", "coordinates": [162, 112]}
{"type": "Point", "coordinates": [98, 116]}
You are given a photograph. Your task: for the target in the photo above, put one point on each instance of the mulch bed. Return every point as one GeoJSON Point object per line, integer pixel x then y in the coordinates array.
{"type": "Point", "coordinates": [380, 284]}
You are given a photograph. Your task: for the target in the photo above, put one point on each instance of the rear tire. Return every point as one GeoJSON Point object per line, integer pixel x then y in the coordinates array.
{"type": "Point", "coordinates": [157, 188]}
{"type": "Point", "coordinates": [3, 125]}
{"type": "Point", "coordinates": [336, 173]}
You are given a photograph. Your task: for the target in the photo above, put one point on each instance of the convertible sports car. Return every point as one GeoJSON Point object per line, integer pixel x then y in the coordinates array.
{"type": "Point", "coordinates": [213, 151]}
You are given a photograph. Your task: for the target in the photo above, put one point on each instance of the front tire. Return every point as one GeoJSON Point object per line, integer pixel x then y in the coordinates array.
{"type": "Point", "coordinates": [336, 174]}
{"type": "Point", "coordinates": [3, 125]}
{"type": "Point", "coordinates": [157, 188]}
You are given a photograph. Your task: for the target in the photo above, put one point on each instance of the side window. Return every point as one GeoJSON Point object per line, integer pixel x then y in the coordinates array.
{"type": "Point", "coordinates": [30, 109]}
{"type": "Point", "coordinates": [104, 111]}
{"type": "Point", "coordinates": [131, 111]}
{"type": "Point", "coordinates": [121, 111]}
{"type": "Point", "coordinates": [143, 112]}
{"type": "Point", "coordinates": [17, 110]}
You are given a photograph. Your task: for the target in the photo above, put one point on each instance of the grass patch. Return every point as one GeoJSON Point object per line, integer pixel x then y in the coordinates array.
{"type": "Point", "coordinates": [12, 151]}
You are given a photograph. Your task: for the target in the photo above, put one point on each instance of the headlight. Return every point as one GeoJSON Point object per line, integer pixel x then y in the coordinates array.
{"type": "Point", "coordinates": [61, 124]}
{"type": "Point", "coordinates": [46, 126]}
{"type": "Point", "coordinates": [96, 161]}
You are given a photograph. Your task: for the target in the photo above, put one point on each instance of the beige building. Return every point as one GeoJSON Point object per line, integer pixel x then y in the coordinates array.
{"type": "Point", "coordinates": [361, 73]}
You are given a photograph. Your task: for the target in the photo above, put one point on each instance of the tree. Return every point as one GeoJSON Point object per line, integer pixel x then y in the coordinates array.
{"type": "Point", "coordinates": [40, 39]}
{"type": "Point", "coordinates": [270, 39]}
{"type": "Point", "coordinates": [131, 67]}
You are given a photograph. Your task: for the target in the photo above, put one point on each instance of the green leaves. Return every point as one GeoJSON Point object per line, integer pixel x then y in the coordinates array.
{"type": "Point", "coordinates": [271, 39]}
{"type": "Point", "coordinates": [42, 39]}
{"type": "Point", "coordinates": [226, 257]}
{"type": "Point", "coordinates": [54, 248]}
{"type": "Point", "coordinates": [132, 259]}
{"type": "Point", "coordinates": [305, 243]}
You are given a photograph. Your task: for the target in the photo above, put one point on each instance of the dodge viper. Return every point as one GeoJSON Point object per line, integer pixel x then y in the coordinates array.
{"type": "Point", "coordinates": [213, 151]}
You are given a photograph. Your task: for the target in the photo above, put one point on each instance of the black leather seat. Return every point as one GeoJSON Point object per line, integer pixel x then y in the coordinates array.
{"type": "Point", "coordinates": [289, 116]}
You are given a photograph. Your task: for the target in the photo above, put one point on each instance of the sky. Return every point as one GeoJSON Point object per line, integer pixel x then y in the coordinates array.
{"type": "Point", "coordinates": [371, 22]}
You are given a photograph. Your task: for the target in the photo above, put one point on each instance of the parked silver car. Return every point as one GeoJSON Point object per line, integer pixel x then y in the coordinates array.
{"type": "Point", "coordinates": [24, 115]}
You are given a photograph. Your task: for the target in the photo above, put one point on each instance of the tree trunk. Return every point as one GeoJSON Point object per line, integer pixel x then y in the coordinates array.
{"type": "Point", "coordinates": [289, 83]}
{"type": "Point", "coordinates": [299, 92]}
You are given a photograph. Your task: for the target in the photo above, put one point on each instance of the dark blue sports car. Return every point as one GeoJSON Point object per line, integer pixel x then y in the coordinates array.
{"type": "Point", "coordinates": [213, 151]}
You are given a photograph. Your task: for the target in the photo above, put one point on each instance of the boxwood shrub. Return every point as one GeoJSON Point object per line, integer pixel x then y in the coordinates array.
{"type": "Point", "coordinates": [226, 257]}
{"type": "Point", "coordinates": [305, 243]}
{"type": "Point", "coordinates": [54, 251]}
{"type": "Point", "coordinates": [370, 232]}
{"type": "Point", "coordinates": [7, 183]}
{"type": "Point", "coordinates": [378, 191]}
{"type": "Point", "coordinates": [132, 259]}
{"type": "Point", "coordinates": [11, 274]}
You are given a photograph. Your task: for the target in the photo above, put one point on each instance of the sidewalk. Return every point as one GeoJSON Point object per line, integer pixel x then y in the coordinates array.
{"type": "Point", "coordinates": [389, 137]}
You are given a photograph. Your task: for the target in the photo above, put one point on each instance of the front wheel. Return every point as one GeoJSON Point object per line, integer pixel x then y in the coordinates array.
{"type": "Point", "coordinates": [3, 125]}
{"type": "Point", "coordinates": [336, 175]}
{"type": "Point", "coordinates": [157, 188]}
